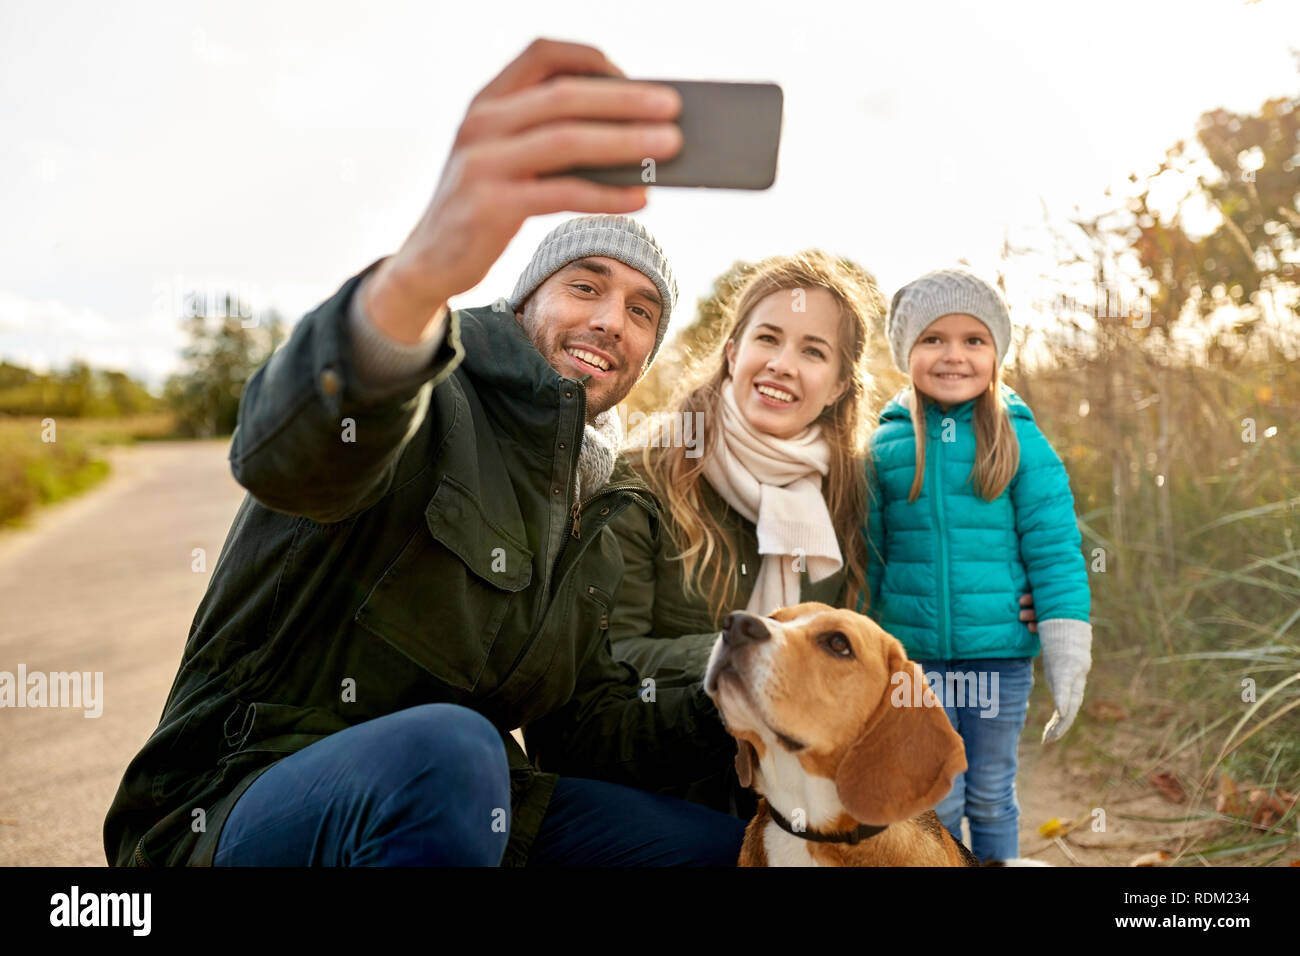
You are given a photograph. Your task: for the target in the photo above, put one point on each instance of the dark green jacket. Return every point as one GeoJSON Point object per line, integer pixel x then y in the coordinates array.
{"type": "Point", "coordinates": [666, 633]}
{"type": "Point", "coordinates": [430, 559]}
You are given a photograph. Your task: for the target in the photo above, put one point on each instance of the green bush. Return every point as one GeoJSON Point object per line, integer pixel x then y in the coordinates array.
{"type": "Point", "coordinates": [34, 472]}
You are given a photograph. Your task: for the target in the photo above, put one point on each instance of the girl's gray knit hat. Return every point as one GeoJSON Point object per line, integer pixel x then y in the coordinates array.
{"type": "Point", "coordinates": [617, 237]}
{"type": "Point", "coordinates": [939, 293]}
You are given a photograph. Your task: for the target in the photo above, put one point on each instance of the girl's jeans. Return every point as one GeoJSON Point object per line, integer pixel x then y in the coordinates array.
{"type": "Point", "coordinates": [986, 701]}
{"type": "Point", "coordinates": [429, 785]}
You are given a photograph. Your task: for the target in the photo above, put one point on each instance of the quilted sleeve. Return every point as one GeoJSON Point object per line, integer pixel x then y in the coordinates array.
{"type": "Point", "coordinates": [1050, 543]}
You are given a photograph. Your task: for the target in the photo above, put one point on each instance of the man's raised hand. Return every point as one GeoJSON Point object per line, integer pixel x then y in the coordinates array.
{"type": "Point", "coordinates": [547, 111]}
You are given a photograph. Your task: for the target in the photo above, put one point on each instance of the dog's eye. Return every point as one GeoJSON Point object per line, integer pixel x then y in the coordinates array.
{"type": "Point", "coordinates": [837, 643]}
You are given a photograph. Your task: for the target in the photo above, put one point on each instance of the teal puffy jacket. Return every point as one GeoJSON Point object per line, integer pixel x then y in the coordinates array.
{"type": "Point", "coordinates": [946, 572]}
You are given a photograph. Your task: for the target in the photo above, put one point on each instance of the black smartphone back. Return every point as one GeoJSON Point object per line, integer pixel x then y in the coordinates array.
{"type": "Point", "coordinates": [731, 134]}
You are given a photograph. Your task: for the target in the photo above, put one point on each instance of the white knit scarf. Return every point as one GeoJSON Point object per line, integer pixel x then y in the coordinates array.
{"type": "Point", "coordinates": [776, 483]}
{"type": "Point", "coordinates": [601, 441]}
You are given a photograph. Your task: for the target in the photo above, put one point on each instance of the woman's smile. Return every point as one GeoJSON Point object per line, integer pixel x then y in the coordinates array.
{"type": "Point", "coordinates": [774, 395]}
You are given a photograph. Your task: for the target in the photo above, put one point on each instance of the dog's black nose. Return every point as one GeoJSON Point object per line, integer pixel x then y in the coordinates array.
{"type": "Point", "coordinates": [739, 627]}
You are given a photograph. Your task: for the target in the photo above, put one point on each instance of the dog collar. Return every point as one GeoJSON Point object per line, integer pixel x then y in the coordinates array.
{"type": "Point", "coordinates": [851, 837]}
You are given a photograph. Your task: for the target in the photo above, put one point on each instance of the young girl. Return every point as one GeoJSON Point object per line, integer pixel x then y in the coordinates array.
{"type": "Point", "coordinates": [968, 504]}
{"type": "Point", "coordinates": [755, 514]}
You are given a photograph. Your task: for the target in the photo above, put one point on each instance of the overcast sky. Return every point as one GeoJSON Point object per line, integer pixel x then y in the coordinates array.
{"type": "Point", "coordinates": [147, 148]}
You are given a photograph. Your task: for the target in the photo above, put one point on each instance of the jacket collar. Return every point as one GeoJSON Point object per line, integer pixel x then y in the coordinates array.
{"type": "Point", "coordinates": [899, 408]}
{"type": "Point", "coordinates": [528, 394]}
{"type": "Point", "coordinates": [499, 353]}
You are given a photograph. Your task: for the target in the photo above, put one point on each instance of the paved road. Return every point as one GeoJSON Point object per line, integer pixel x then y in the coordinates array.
{"type": "Point", "coordinates": [101, 584]}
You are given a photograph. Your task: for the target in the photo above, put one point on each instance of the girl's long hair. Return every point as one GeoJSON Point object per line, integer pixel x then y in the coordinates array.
{"type": "Point", "coordinates": [708, 557]}
{"type": "Point", "coordinates": [997, 452]}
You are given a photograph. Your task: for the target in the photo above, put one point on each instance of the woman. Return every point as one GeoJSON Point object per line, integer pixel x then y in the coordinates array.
{"type": "Point", "coordinates": [782, 398]}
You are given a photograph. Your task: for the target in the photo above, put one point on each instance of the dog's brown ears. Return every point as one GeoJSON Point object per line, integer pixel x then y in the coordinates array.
{"type": "Point", "coordinates": [905, 760]}
{"type": "Point", "coordinates": [746, 757]}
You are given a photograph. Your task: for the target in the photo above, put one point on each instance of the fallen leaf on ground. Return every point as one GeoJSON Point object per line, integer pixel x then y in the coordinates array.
{"type": "Point", "coordinates": [1105, 710]}
{"type": "Point", "coordinates": [1154, 858]}
{"type": "Point", "coordinates": [1054, 828]}
{"type": "Point", "coordinates": [1268, 809]}
{"type": "Point", "coordinates": [1168, 786]}
{"type": "Point", "coordinates": [1229, 799]}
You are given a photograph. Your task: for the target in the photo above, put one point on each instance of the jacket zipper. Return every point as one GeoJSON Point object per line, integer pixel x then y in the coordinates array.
{"type": "Point", "coordinates": [574, 533]}
{"type": "Point", "coordinates": [936, 494]}
{"type": "Point", "coordinates": [575, 511]}
{"type": "Point", "coordinates": [139, 853]}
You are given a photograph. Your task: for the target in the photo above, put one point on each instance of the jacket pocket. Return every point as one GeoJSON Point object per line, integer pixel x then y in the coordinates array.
{"type": "Point", "coordinates": [262, 727]}
{"type": "Point", "coordinates": [442, 600]}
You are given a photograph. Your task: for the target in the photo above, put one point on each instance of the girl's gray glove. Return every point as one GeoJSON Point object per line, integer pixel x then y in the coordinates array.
{"type": "Point", "coordinates": [1067, 656]}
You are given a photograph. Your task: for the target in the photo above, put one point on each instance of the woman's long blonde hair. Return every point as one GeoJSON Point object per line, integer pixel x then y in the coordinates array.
{"type": "Point", "coordinates": [709, 559]}
{"type": "Point", "coordinates": [997, 452]}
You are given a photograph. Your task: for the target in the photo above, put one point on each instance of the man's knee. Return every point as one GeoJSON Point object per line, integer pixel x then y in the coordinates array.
{"type": "Point", "coordinates": [456, 745]}
{"type": "Point", "coordinates": [450, 782]}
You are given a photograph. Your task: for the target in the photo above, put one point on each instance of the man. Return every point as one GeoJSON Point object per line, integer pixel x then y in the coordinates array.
{"type": "Point", "coordinates": [423, 563]}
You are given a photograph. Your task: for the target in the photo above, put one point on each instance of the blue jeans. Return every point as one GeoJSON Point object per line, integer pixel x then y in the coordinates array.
{"type": "Point", "coordinates": [986, 702]}
{"type": "Point", "coordinates": [430, 786]}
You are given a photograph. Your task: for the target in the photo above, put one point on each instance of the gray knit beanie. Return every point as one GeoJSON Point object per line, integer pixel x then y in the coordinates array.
{"type": "Point", "coordinates": [939, 293]}
{"type": "Point", "coordinates": [616, 237]}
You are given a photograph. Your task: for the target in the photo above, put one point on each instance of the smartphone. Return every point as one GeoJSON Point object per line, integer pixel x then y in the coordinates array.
{"type": "Point", "coordinates": [731, 133]}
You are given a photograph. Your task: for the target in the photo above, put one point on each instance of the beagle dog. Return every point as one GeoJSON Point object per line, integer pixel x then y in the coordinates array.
{"type": "Point", "coordinates": [841, 737]}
